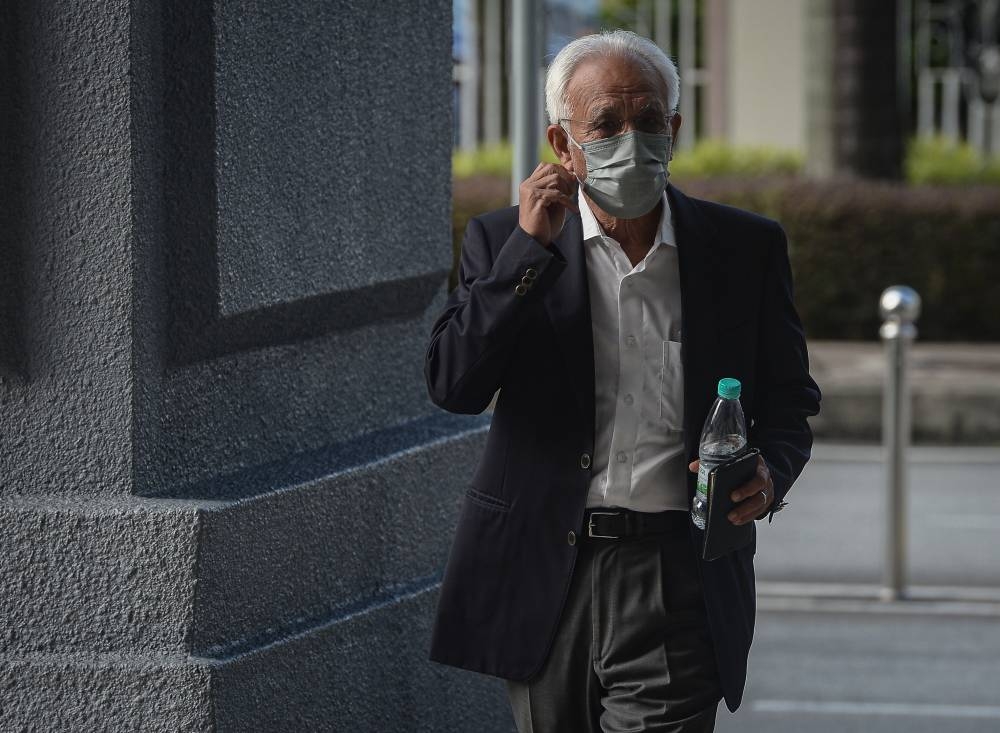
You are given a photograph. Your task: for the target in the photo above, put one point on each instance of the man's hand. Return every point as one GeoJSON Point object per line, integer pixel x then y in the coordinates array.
{"type": "Point", "coordinates": [753, 498]}
{"type": "Point", "coordinates": [545, 196]}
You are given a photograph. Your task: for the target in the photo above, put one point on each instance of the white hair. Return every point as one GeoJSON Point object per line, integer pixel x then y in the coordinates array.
{"type": "Point", "coordinates": [617, 43]}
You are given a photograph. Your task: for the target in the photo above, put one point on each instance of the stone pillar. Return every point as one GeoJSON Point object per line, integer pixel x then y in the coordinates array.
{"type": "Point", "coordinates": [226, 499]}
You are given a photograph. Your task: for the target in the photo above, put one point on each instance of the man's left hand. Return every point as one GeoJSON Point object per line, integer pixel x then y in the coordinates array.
{"type": "Point", "coordinates": [753, 498]}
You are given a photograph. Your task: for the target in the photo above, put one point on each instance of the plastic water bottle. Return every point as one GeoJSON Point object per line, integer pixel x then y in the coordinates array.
{"type": "Point", "coordinates": [723, 437]}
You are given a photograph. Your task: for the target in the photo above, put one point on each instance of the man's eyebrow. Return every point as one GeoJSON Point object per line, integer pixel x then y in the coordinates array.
{"type": "Point", "coordinates": [652, 105]}
{"type": "Point", "coordinates": [602, 111]}
{"type": "Point", "coordinates": [605, 109]}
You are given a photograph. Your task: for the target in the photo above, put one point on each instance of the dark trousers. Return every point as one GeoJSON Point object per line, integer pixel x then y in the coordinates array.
{"type": "Point", "coordinates": [633, 651]}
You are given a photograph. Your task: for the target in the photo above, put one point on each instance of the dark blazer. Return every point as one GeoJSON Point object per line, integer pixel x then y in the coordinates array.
{"type": "Point", "coordinates": [510, 563]}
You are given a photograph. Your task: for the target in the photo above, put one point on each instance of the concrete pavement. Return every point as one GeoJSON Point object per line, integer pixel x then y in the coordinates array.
{"type": "Point", "coordinates": [870, 673]}
{"type": "Point", "coordinates": [827, 657]}
{"type": "Point", "coordinates": [956, 391]}
{"type": "Point", "coordinates": [832, 529]}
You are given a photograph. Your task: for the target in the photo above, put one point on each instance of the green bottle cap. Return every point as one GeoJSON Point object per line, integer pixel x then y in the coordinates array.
{"type": "Point", "coordinates": [729, 388]}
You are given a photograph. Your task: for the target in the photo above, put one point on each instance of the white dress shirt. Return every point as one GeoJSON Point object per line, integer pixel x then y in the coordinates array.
{"type": "Point", "coordinates": [638, 460]}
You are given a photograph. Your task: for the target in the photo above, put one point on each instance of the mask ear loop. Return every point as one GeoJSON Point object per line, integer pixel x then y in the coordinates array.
{"type": "Point", "coordinates": [670, 142]}
{"type": "Point", "coordinates": [570, 136]}
{"type": "Point", "coordinates": [578, 145]}
{"type": "Point", "coordinates": [670, 151]}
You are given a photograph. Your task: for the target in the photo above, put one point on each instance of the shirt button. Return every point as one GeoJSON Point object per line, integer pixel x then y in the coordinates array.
{"type": "Point", "coordinates": [628, 399]}
{"type": "Point", "coordinates": [571, 537]}
{"type": "Point", "coordinates": [622, 457]}
{"type": "Point", "coordinates": [585, 460]}
{"type": "Point", "coordinates": [630, 341]}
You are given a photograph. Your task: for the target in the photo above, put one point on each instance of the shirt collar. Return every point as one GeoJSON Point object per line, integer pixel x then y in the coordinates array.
{"type": "Point", "coordinates": [592, 228]}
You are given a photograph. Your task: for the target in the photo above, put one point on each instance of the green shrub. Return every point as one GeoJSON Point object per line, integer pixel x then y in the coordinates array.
{"type": "Point", "coordinates": [490, 160]}
{"type": "Point", "coordinates": [849, 240]}
{"type": "Point", "coordinates": [707, 159]}
{"type": "Point", "coordinates": [928, 161]}
{"type": "Point", "coordinates": [714, 158]}
{"type": "Point", "coordinates": [936, 160]}
{"type": "Point", "coordinates": [471, 196]}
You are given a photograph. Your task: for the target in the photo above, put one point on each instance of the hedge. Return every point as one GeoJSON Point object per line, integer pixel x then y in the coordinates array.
{"type": "Point", "coordinates": [937, 160]}
{"type": "Point", "coordinates": [715, 158]}
{"type": "Point", "coordinates": [848, 241]}
{"type": "Point", "coordinates": [928, 160]}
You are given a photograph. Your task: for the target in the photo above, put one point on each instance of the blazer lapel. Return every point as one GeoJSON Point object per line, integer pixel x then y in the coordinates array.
{"type": "Point", "coordinates": [568, 306]}
{"type": "Point", "coordinates": [703, 284]}
{"type": "Point", "coordinates": [701, 277]}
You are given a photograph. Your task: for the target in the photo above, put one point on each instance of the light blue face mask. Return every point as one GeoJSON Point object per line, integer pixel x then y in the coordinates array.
{"type": "Point", "coordinates": [627, 173]}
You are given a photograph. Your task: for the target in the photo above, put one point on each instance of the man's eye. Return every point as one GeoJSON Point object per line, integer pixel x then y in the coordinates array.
{"type": "Point", "coordinates": [651, 124]}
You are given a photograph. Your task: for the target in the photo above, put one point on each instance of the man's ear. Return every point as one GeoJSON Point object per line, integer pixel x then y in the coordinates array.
{"type": "Point", "coordinates": [559, 141]}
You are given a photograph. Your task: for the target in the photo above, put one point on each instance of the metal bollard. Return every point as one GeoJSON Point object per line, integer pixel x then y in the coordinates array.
{"type": "Point", "coordinates": [900, 307]}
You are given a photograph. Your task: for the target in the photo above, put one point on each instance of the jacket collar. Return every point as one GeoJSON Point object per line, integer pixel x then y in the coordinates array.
{"type": "Point", "coordinates": [568, 306]}
{"type": "Point", "coordinates": [704, 283]}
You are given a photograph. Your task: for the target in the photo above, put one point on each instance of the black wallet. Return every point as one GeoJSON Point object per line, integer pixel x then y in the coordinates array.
{"type": "Point", "coordinates": [721, 535]}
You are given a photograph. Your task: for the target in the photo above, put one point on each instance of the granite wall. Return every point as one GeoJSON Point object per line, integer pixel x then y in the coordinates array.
{"type": "Point", "coordinates": [226, 499]}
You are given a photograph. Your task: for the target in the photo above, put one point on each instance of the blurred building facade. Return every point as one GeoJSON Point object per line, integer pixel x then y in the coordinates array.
{"type": "Point", "coordinates": [954, 50]}
{"type": "Point", "coordinates": [821, 77]}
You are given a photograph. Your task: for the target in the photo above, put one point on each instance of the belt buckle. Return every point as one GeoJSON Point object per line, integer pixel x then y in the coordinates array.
{"type": "Point", "coordinates": [590, 526]}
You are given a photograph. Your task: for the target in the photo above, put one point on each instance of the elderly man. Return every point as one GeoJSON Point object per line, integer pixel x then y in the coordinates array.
{"type": "Point", "coordinates": [605, 320]}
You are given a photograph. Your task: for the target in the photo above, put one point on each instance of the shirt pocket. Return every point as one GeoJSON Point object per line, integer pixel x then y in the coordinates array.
{"type": "Point", "coordinates": [672, 387]}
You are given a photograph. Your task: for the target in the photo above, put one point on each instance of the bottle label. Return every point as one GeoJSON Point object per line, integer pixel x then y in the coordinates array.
{"type": "Point", "coordinates": [703, 469]}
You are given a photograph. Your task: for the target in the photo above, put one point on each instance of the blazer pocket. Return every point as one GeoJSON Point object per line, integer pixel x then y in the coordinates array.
{"type": "Point", "coordinates": [487, 501]}
{"type": "Point", "coordinates": [672, 386]}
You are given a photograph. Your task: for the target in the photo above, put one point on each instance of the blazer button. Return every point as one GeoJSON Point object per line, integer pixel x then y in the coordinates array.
{"type": "Point", "coordinates": [520, 289]}
{"type": "Point", "coordinates": [571, 537]}
{"type": "Point", "coordinates": [531, 273]}
{"type": "Point", "coordinates": [585, 460]}
{"type": "Point", "coordinates": [526, 281]}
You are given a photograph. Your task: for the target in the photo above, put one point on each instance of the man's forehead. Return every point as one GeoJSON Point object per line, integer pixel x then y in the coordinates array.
{"type": "Point", "coordinates": [606, 81]}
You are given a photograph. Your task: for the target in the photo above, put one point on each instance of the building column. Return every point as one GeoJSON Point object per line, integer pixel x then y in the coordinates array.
{"type": "Point", "coordinates": [226, 498]}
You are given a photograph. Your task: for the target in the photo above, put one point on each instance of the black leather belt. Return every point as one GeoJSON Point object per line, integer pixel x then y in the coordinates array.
{"type": "Point", "coordinates": [615, 523]}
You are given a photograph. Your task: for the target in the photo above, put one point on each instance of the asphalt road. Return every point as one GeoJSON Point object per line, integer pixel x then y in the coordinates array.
{"type": "Point", "coordinates": [842, 662]}
{"type": "Point", "coordinates": [832, 529]}
{"type": "Point", "coordinates": [873, 672]}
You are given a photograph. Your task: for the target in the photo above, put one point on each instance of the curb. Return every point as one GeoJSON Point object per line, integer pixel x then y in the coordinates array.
{"type": "Point", "coordinates": [978, 601]}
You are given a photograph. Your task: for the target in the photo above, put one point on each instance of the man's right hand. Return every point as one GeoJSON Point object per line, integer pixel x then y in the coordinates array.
{"type": "Point", "coordinates": [545, 196]}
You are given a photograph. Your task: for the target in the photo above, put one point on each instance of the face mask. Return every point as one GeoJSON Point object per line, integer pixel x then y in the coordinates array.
{"type": "Point", "coordinates": [626, 174]}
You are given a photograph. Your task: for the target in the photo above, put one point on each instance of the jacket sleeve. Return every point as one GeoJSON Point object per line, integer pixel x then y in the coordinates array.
{"type": "Point", "coordinates": [472, 340]}
{"type": "Point", "coordinates": [786, 394]}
